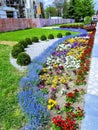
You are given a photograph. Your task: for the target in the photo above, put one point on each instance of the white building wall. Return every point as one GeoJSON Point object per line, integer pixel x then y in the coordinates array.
{"type": "Point", "coordinates": [3, 14]}
{"type": "Point", "coordinates": [4, 9]}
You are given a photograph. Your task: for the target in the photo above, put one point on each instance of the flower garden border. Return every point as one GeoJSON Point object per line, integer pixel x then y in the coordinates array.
{"type": "Point", "coordinates": [29, 84]}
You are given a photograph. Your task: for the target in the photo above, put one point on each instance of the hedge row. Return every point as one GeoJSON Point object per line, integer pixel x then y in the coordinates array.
{"type": "Point", "coordinates": [18, 49]}
{"type": "Point", "coordinates": [18, 52]}
{"type": "Point", "coordinates": [88, 28]}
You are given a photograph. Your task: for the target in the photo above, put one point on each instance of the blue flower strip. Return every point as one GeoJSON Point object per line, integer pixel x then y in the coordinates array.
{"type": "Point", "coordinates": [32, 100]}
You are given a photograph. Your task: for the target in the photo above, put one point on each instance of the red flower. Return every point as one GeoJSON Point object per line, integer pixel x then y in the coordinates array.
{"type": "Point", "coordinates": [67, 124]}
{"type": "Point", "coordinates": [87, 61]}
{"type": "Point", "coordinates": [67, 104]}
{"type": "Point", "coordinates": [83, 58]}
{"type": "Point", "coordinates": [76, 90]}
{"type": "Point", "coordinates": [58, 121]}
{"type": "Point", "coordinates": [71, 95]}
{"type": "Point", "coordinates": [79, 72]}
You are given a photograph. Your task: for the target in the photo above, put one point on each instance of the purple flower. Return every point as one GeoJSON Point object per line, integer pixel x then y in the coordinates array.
{"type": "Point", "coordinates": [61, 67]}
{"type": "Point", "coordinates": [53, 89]}
{"type": "Point", "coordinates": [41, 86]}
{"type": "Point", "coordinates": [57, 107]}
{"type": "Point", "coordinates": [74, 45]}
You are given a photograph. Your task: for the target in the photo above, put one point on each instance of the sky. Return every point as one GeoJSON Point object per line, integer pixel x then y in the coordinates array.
{"type": "Point", "coordinates": [49, 2]}
{"type": "Point", "coordinates": [96, 5]}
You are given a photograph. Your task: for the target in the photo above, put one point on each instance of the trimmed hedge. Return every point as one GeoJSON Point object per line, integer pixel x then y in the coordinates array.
{"type": "Point", "coordinates": [29, 41]}
{"type": "Point", "coordinates": [35, 39]}
{"type": "Point", "coordinates": [18, 45]}
{"type": "Point", "coordinates": [50, 36]}
{"type": "Point", "coordinates": [23, 59]}
{"type": "Point", "coordinates": [59, 35]}
{"type": "Point", "coordinates": [24, 43]}
{"type": "Point", "coordinates": [68, 33]}
{"type": "Point", "coordinates": [43, 38]}
{"type": "Point", "coordinates": [16, 50]}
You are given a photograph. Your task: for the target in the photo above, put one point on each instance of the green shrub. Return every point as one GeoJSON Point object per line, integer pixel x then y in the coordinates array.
{"type": "Point", "coordinates": [24, 43]}
{"type": "Point", "coordinates": [16, 50]}
{"type": "Point", "coordinates": [23, 59]}
{"type": "Point", "coordinates": [50, 36]}
{"type": "Point", "coordinates": [18, 45]}
{"type": "Point", "coordinates": [87, 20]}
{"type": "Point", "coordinates": [28, 40]}
{"type": "Point", "coordinates": [59, 35]}
{"type": "Point", "coordinates": [43, 38]}
{"type": "Point", "coordinates": [35, 39]}
{"type": "Point", "coordinates": [68, 33]}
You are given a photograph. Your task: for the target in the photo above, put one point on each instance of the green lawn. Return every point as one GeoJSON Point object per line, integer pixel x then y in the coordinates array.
{"type": "Point", "coordinates": [11, 116]}
{"type": "Point", "coordinates": [29, 33]}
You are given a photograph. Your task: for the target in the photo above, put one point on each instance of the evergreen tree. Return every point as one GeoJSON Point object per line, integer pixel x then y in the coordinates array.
{"type": "Point", "coordinates": [78, 9]}
{"type": "Point", "coordinates": [78, 15]}
{"type": "Point", "coordinates": [88, 7]}
{"type": "Point", "coordinates": [71, 9]}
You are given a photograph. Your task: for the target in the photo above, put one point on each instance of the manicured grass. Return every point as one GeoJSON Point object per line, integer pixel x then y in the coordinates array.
{"type": "Point", "coordinates": [29, 33]}
{"type": "Point", "coordinates": [11, 116]}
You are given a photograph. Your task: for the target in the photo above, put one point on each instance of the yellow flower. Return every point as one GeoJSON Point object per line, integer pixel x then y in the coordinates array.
{"type": "Point", "coordinates": [42, 77]}
{"type": "Point", "coordinates": [44, 69]}
{"type": "Point", "coordinates": [56, 65]}
{"type": "Point", "coordinates": [52, 102]}
{"type": "Point", "coordinates": [49, 107]}
{"type": "Point", "coordinates": [55, 103]}
{"type": "Point", "coordinates": [53, 86]}
{"type": "Point", "coordinates": [47, 75]}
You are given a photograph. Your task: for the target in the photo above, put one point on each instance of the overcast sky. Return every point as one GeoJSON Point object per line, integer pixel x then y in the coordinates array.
{"type": "Point", "coordinates": [49, 2]}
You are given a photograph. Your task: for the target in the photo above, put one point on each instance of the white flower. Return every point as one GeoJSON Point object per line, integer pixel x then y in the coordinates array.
{"type": "Point", "coordinates": [63, 91]}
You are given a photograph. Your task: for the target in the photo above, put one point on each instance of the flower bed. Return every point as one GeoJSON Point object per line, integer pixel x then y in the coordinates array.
{"type": "Point", "coordinates": [88, 28]}
{"type": "Point", "coordinates": [50, 96]}
{"type": "Point", "coordinates": [74, 25]}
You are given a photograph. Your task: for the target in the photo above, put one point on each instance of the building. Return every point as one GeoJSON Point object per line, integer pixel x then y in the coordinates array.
{"type": "Point", "coordinates": [5, 10]}
{"type": "Point", "coordinates": [21, 9]}
{"type": "Point", "coordinates": [18, 5]}
{"type": "Point", "coordinates": [34, 9]}
{"type": "Point", "coordinates": [12, 8]}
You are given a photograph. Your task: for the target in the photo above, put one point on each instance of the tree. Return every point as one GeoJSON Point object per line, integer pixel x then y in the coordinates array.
{"type": "Point", "coordinates": [71, 9]}
{"type": "Point", "coordinates": [78, 13]}
{"type": "Point", "coordinates": [50, 11]}
{"type": "Point", "coordinates": [65, 9]}
{"type": "Point", "coordinates": [88, 8]}
{"type": "Point", "coordinates": [78, 9]}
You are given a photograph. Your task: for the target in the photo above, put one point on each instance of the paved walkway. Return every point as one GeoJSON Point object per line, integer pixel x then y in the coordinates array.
{"type": "Point", "coordinates": [90, 121]}
{"type": "Point", "coordinates": [36, 49]}
{"type": "Point", "coordinates": [33, 51]}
